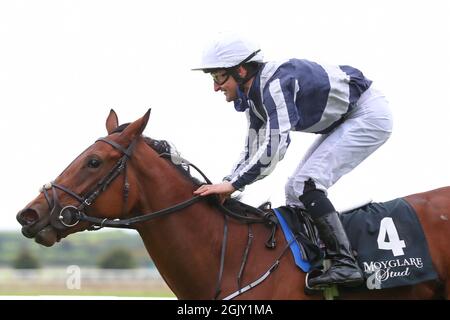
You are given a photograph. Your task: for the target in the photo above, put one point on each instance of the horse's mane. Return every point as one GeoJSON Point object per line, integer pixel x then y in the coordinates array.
{"type": "Point", "coordinates": [163, 147]}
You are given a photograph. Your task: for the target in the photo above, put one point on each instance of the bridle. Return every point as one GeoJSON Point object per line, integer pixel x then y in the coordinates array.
{"type": "Point", "coordinates": [62, 218]}
{"type": "Point", "coordinates": [69, 216]}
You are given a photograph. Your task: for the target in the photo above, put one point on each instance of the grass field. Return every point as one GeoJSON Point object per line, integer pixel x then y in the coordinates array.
{"type": "Point", "coordinates": [53, 282]}
{"type": "Point", "coordinates": [116, 292]}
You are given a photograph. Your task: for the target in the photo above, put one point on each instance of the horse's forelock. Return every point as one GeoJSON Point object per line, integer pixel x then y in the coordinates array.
{"type": "Point", "coordinates": [120, 128]}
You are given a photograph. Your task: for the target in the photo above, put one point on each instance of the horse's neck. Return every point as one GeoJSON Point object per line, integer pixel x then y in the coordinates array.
{"type": "Point", "coordinates": [184, 245]}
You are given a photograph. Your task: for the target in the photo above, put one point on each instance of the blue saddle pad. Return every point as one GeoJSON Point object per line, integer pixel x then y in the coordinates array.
{"type": "Point", "coordinates": [300, 261]}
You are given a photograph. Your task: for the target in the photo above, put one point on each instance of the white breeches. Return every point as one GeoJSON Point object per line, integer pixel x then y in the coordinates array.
{"type": "Point", "coordinates": [333, 155]}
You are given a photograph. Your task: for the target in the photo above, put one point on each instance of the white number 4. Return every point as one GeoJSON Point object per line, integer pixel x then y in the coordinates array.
{"type": "Point", "coordinates": [387, 228]}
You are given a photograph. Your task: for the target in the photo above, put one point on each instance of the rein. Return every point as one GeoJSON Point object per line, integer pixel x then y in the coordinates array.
{"type": "Point", "coordinates": [127, 223]}
{"type": "Point", "coordinates": [70, 216]}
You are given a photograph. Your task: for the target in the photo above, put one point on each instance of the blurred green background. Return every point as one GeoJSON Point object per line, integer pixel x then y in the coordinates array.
{"type": "Point", "coordinates": [108, 263]}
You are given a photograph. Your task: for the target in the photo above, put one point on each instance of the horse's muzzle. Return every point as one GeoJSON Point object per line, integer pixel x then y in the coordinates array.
{"type": "Point", "coordinates": [32, 221]}
{"type": "Point", "coordinates": [27, 217]}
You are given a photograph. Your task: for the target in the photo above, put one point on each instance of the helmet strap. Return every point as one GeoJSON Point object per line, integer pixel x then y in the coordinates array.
{"type": "Point", "coordinates": [234, 72]}
{"type": "Point", "coordinates": [241, 81]}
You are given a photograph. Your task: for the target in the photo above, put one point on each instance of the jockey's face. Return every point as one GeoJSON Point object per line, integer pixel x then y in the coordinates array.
{"type": "Point", "coordinates": [225, 83]}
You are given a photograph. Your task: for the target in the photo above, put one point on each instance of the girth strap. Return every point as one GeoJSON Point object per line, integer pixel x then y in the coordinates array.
{"type": "Point", "coordinates": [222, 257]}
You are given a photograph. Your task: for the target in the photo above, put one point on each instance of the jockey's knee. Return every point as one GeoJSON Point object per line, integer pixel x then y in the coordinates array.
{"type": "Point", "coordinates": [289, 187]}
{"type": "Point", "coordinates": [291, 195]}
{"type": "Point", "coordinates": [316, 203]}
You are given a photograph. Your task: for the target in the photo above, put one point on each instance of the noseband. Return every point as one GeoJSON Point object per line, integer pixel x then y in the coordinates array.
{"type": "Point", "coordinates": [69, 216]}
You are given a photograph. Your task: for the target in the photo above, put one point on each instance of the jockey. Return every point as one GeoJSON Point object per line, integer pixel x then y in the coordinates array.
{"type": "Point", "coordinates": [339, 103]}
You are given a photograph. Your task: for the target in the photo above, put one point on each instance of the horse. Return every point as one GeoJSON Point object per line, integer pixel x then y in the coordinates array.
{"type": "Point", "coordinates": [121, 180]}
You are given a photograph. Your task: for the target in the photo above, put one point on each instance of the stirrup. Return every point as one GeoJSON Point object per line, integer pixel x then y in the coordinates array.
{"type": "Point", "coordinates": [329, 292]}
{"type": "Point", "coordinates": [314, 273]}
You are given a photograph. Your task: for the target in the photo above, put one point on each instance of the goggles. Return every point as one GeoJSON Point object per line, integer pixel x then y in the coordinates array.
{"type": "Point", "coordinates": [220, 77]}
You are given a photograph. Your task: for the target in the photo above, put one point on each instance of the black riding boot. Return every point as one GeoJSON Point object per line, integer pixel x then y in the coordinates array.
{"type": "Point", "coordinates": [344, 270]}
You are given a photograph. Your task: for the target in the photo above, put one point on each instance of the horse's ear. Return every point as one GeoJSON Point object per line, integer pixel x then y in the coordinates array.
{"type": "Point", "coordinates": [112, 122]}
{"type": "Point", "coordinates": [136, 128]}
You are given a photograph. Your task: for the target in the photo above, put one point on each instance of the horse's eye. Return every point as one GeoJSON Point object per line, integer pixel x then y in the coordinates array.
{"type": "Point", "coordinates": [94, 163]}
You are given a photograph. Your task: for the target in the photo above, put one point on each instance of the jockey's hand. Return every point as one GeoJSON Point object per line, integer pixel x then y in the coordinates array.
{"type": "Point", "coordinates": [223, 190]}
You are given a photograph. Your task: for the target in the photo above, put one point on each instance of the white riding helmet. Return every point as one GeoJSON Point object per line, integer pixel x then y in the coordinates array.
{"type": "Point", "coordinates": [229, 50]}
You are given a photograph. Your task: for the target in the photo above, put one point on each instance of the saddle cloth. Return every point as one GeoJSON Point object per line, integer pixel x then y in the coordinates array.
{"type": "Point", "coordinates": [387, 240]}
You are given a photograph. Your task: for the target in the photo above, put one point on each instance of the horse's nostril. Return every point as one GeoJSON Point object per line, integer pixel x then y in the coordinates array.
{"type": "Point", "coordinates": [27, 217]}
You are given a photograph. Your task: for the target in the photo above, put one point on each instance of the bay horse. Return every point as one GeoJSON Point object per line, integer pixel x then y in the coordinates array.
{"type": "Point", "coordinates": [201, 253]}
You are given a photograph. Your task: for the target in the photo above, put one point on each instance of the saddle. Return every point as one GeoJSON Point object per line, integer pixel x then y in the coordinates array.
{"type": "Point", "coordinates": [387, 240]}
{"type": "Point", "coordinates": [304, 240]}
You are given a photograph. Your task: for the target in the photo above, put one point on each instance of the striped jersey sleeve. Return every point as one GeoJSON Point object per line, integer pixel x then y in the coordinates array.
{"type": "Point", "coordinates": [268, 132]}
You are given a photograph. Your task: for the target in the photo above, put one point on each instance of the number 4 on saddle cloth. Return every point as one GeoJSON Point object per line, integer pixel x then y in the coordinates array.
{"type": "Point", "coordinates": [387, 240]}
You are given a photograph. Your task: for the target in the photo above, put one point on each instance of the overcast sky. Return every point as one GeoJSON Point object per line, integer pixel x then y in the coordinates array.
{"type": "Point", "coordinates": [64, 64]}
